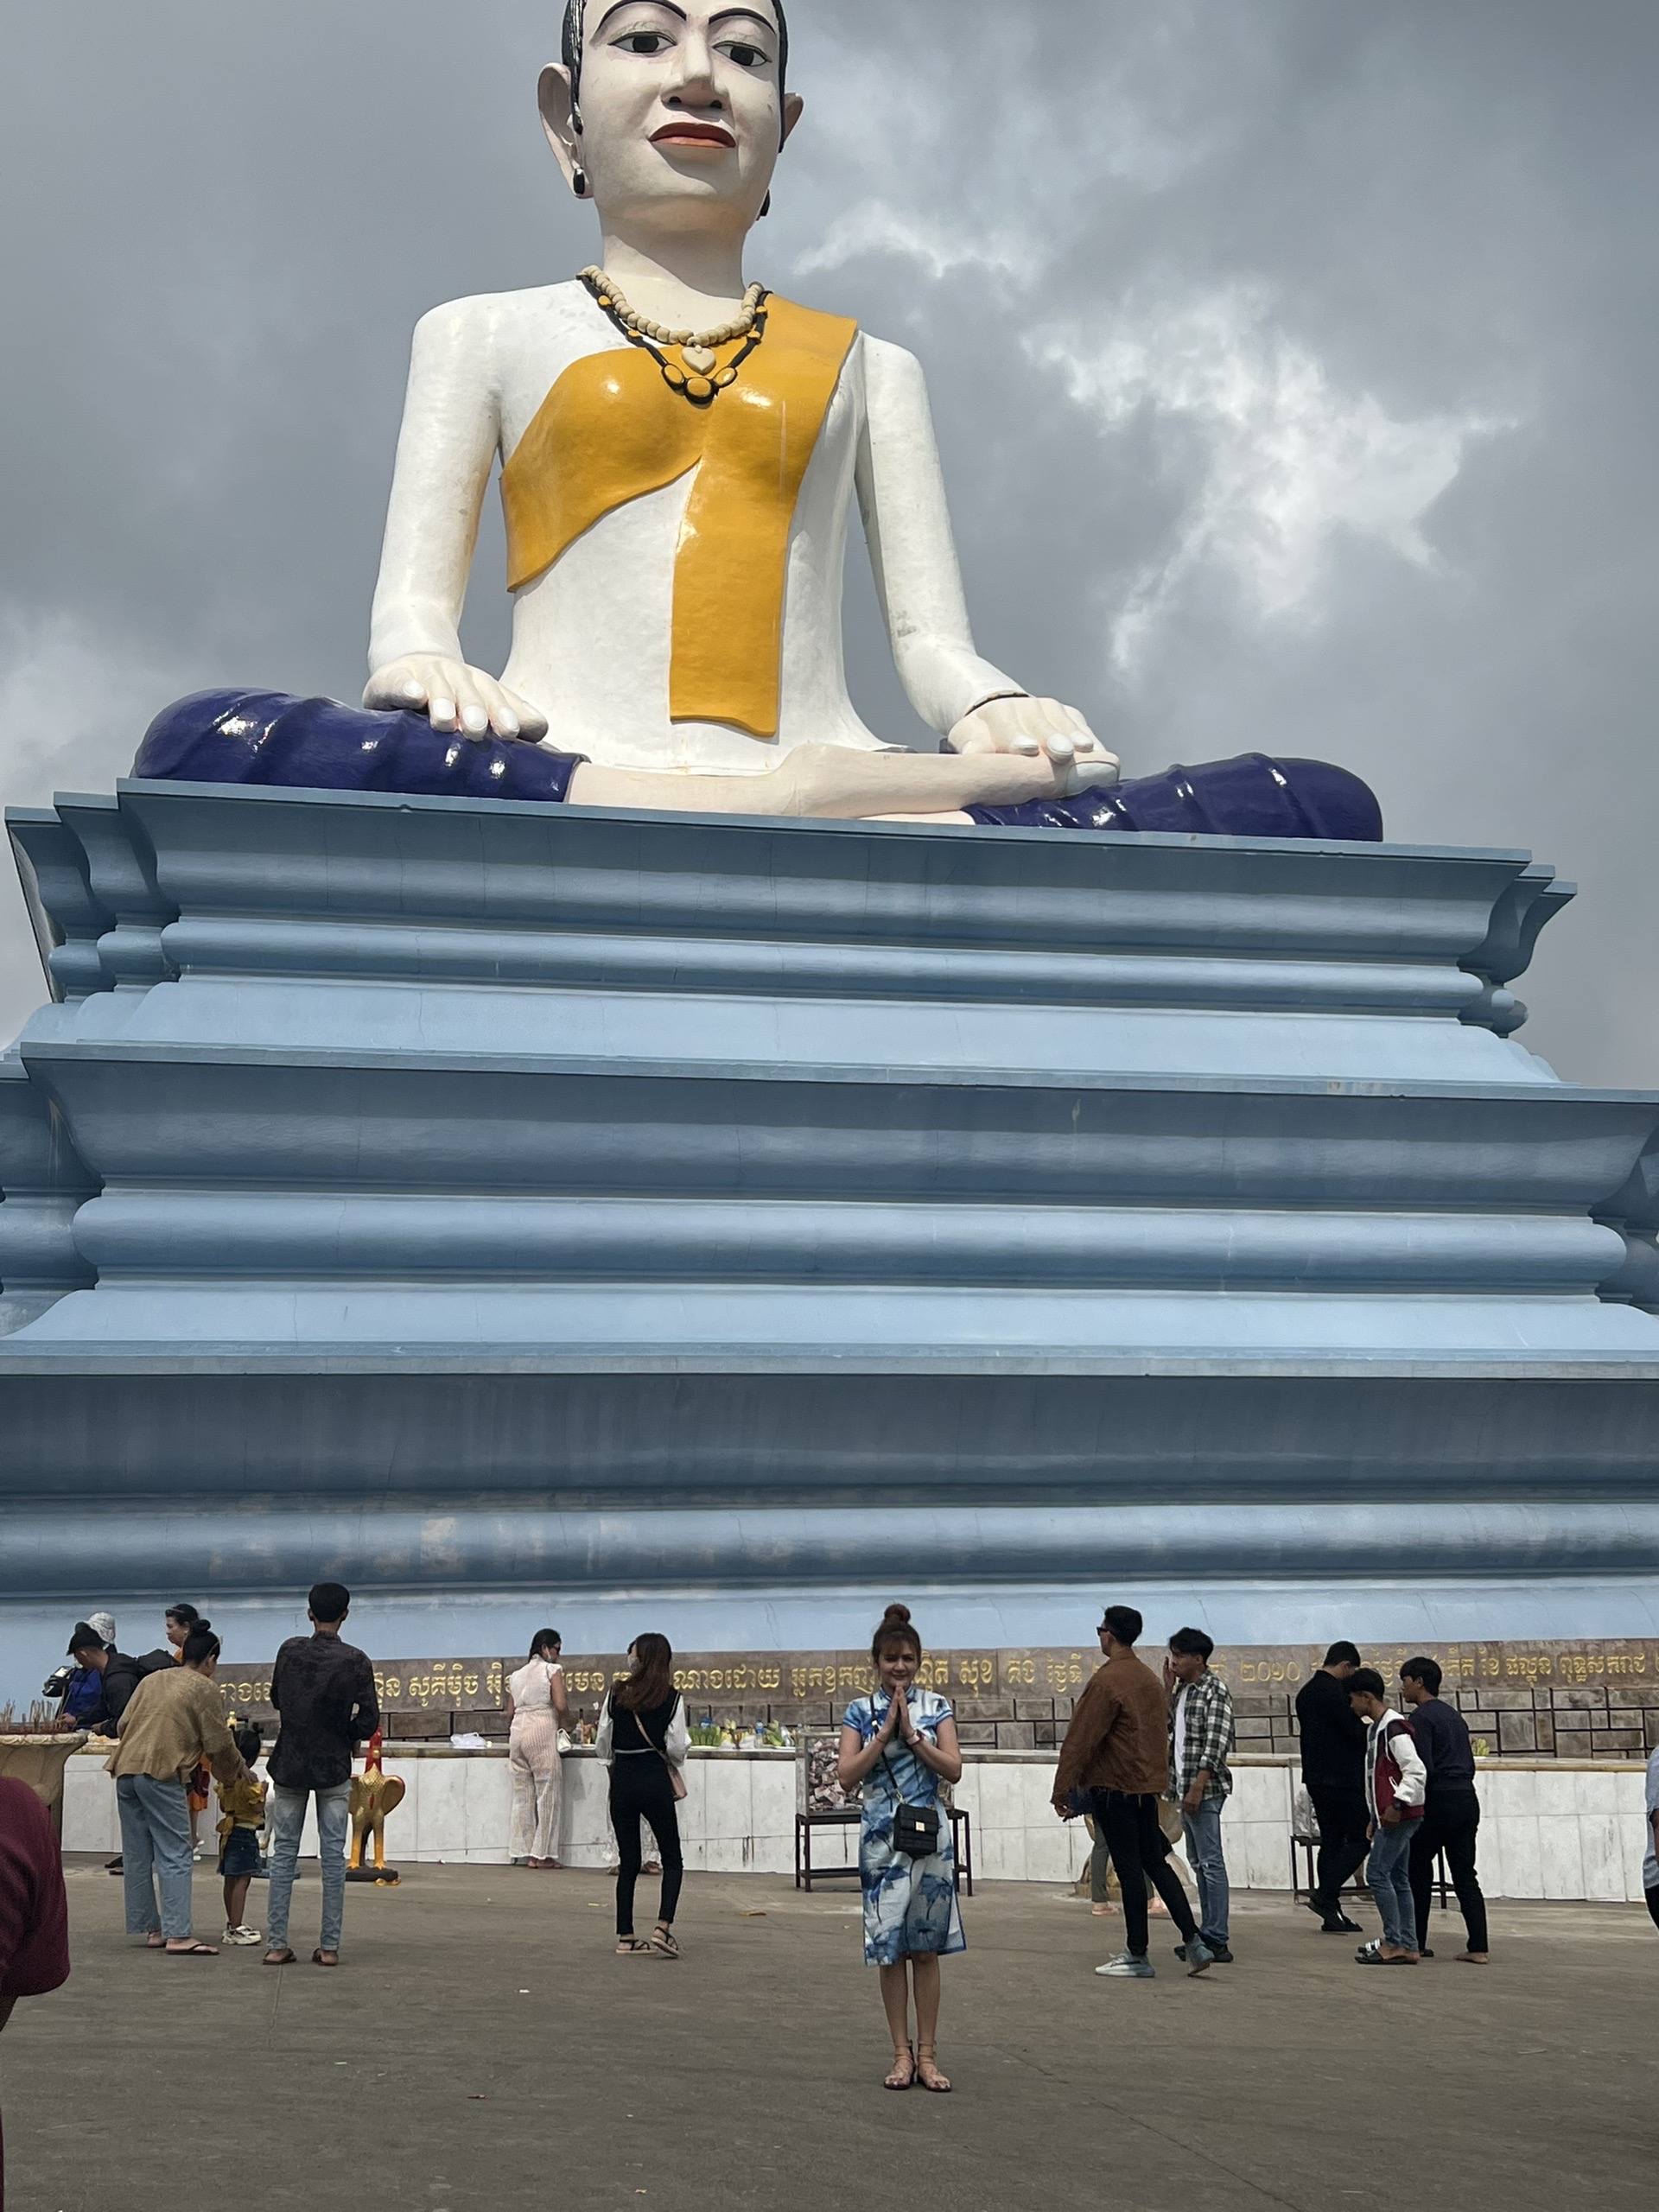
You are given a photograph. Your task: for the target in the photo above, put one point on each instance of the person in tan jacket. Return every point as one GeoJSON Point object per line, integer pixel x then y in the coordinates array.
{"type": "Point", "coordinates": [1117, 1750]}
{"type": "Point", "coordinates": [174, 1722]}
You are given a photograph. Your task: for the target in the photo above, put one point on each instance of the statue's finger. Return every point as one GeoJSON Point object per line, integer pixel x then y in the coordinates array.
{"type": "Point", "coordinates": [502, 720]}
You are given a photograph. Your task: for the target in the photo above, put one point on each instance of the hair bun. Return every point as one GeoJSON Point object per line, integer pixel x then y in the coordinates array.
{"type": "Point", "coordinates": [899, 1615]}
{"type": "Point", "coordinates": [200, 1627]}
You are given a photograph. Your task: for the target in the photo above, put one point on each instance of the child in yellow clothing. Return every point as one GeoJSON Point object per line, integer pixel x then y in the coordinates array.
{"type": "Point", "coordinates": [243, 1807]}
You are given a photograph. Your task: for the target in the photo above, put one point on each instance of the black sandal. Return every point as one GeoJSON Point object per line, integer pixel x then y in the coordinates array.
{"type": "Point", "coordinates": [632, 1947]}
{"type": "Point", "coordinates": [663, 1942]}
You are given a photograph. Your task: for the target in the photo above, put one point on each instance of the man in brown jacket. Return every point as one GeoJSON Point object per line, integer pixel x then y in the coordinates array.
{"type": "Point", "coordinates": [1116, 1749]}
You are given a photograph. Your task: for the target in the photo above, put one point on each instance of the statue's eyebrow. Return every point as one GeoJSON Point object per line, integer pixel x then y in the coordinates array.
{"type": "Point", "coordinates": [726, 14]}
{"type": "Point", "coordinates": [749, 14]}
{"type": "Point", "coordinates": [667, 6]}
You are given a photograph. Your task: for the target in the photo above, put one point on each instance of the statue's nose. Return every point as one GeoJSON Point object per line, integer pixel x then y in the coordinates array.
{"type": "Point", "coordinates": [695, 78]}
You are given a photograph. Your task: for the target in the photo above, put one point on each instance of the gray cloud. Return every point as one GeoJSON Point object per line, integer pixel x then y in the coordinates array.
{"type": "Point", "coordinates": [1294, 369]}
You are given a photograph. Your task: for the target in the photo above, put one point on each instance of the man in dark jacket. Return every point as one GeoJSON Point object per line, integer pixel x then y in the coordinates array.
{"type": "Point", "coordinates": [323, 1690]}
{"type": "Point", "coordinates": [118, 1677]}
{"type": "Point", "coordinates": [1333, 1768]}
{"type": "Point", "coordinates": [1452, 1810]}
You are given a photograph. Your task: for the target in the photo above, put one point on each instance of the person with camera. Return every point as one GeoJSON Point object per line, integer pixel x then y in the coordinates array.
{"type": "Point", "coordinates": [898, 1748]}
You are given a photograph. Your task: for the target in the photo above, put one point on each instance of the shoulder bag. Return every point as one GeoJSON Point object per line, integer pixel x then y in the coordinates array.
{"type": "Point", "coordinates": [915, 1828]}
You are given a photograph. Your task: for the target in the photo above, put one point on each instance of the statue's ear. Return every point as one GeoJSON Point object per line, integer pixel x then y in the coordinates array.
{"type": "Point", "coordinates": [553, 98]}
{"type": "Point", "coordinates": [792, 105]}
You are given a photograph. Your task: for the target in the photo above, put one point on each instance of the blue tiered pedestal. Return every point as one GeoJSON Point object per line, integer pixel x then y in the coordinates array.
{"type": "Point", "coordinates": [727, 1226]}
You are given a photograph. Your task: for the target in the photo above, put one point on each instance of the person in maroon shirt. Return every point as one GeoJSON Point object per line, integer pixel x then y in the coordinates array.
{"type": "Point", "coordinates": [34, 1910]}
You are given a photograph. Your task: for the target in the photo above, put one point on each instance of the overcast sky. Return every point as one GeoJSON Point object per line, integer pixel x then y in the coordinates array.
{"type": "Point", "coordinates": [1294, 366]}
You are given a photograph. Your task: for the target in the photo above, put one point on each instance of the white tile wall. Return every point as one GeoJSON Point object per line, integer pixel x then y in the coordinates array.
{"type": "Point", "coordinates": [1547, 1831]}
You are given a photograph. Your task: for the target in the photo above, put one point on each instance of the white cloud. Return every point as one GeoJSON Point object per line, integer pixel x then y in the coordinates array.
{"type": "Point", "coordinates": [1287, 458]}
{"type": "Point", "coordinates": [1276, 457]}
{"type": "Point", "coordinates": [936, 248]}
{"type": "Point", "coordinates": [75, 701]}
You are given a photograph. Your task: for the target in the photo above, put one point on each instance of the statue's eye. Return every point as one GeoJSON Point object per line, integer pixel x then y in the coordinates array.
{"type": "Point", "coordinates": [745, 55]}
{"type": "Point", "coordinates": [642, 42]}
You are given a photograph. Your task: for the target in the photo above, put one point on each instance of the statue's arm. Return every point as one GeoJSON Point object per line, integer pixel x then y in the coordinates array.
{"type": "Point", "coordinates": [907, 522]}
{"type": "Point", "coordinates": [451, 432]}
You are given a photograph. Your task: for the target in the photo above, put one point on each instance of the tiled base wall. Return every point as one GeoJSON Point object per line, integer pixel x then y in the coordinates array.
{"type": "Point", "coordinates": [1597, 1721]}
{"type": "Point", "coordinates": [1551, 1830]}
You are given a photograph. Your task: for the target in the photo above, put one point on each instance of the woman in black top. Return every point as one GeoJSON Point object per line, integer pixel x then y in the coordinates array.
{"type": "Point", "coordinates": [644, 1739]}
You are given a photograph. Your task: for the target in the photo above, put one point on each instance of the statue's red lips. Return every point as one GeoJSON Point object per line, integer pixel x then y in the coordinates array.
{"type": "Point", "coordinates": [692, 134]}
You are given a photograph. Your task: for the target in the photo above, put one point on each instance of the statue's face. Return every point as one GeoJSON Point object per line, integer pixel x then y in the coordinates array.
{"type": "Point", "coordinates": [681, 111]}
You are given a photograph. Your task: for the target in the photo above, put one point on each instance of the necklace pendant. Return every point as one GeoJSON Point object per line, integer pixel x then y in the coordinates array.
{"type": "Point", "coordinates": [700, 360]}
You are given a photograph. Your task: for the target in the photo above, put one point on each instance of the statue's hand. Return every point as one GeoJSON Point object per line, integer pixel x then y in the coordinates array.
{"type": "Point", "coordinates": [456, 697]}
{"type": "Point", "coordinates": [1033, 726]}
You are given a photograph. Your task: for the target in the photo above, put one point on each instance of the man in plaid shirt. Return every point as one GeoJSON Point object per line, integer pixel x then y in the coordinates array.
{"type": "Point", "coordinates": [1200, 1737]}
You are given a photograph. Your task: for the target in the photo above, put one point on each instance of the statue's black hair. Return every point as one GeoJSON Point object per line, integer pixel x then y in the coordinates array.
{"type": "Point", "coordinates": [574, 10]}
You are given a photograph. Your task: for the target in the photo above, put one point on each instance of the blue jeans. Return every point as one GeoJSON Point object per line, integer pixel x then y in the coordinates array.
{"type": "Point", "coordinates": [155, 1853]}
{"type": "Point", "coordinates": [1202, 1831]}
{"type": "Point", "coordinates": [286, 1816]}
{"type": "Point", "coordinates": [1388, 1873]}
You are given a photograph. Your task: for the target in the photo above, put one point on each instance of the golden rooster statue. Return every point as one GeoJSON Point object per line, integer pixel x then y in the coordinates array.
{"type": "Point", "coordinates": [374, 1794]}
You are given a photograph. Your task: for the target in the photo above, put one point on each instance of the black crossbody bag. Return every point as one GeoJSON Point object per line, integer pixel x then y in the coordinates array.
{"type": "Point", "coordinates": [915, 1828]}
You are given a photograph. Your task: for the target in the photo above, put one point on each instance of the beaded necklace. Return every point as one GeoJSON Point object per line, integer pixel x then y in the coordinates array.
{"type": "Point", "coordinates": [699, 374]}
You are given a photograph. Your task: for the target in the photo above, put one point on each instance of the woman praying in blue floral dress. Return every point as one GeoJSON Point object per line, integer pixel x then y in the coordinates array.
{"type": "Point", "coordinates": [897, 1746]}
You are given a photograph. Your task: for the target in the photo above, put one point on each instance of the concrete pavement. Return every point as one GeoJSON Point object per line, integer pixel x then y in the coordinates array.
{"type": "Point", "coordinates": [482, 2048]}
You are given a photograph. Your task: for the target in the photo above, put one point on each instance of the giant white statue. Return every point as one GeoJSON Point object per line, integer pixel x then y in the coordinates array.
{"type": "Point", "coordinates": [679, 450]}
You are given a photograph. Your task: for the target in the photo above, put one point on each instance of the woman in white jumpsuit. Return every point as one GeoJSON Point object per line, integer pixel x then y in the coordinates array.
{"type": "Point", "coordinates": [537, 1710]}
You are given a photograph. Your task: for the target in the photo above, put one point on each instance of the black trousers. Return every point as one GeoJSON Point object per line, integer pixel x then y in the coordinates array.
{"type": "Point", "coordinates": [1449, 1822]}
{"type": "Point", "coordinates": [1140, 1852]}
{"type": "Point", "coordinates": [1652, 1897]}
{"type": "Point", "coordinates": [640, 1790]}
{"type": "Point", "coordinates": [1343, 1843]}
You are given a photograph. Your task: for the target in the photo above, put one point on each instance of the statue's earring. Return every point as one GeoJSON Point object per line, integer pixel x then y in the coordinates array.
{"type": "Point", "coordinates": [766, 207]}
{"type": "Point", "coordinates": [579, 182]}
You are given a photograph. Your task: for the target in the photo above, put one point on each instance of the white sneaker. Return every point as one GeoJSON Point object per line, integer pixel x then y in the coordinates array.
{"type": "Point", "coordinates": [1127, 1966]}
{"type": "Point", "coordinates": [241, 1935]}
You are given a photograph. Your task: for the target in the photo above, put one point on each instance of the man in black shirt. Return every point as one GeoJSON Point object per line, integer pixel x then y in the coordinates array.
{"type": "Point", "coordinates": [1451, 1813]}
{"type": "Point", "coordinates": [323, 1691]}
{"type": "Point", "coordinates": [118, 1678]}
{"type": "Point", "coordinates": [1333, 1767]}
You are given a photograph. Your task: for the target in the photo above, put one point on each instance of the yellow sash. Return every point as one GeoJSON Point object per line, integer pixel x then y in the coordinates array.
{"type": "Point", "coordinates": [611, 430]}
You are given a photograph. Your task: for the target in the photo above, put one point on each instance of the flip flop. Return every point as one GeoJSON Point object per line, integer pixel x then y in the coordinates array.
{"type": "Point", "coordinates": [280, 1959]}
{"type": "Point", "coordinates": [317, 1960]}
{"type": "Point", "coordinates": [1376, 1959]}
{"type": "Point", "coordinates": [192, 1951]}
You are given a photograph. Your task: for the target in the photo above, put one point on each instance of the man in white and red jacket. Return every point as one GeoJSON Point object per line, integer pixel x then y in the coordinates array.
{"type": "Point", "coordinates": [1396, 1783]}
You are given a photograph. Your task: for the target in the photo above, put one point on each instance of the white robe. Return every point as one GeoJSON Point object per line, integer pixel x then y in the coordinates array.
{"type": "Point", "coordinates": [591, 636]}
